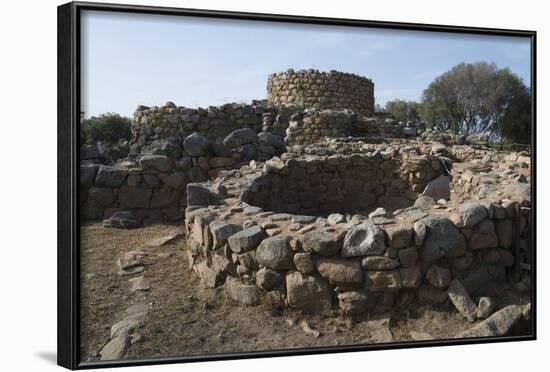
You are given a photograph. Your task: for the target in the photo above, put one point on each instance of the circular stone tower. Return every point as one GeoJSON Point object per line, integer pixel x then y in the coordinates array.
{"type": "Point", "coordinates": [322, 90]}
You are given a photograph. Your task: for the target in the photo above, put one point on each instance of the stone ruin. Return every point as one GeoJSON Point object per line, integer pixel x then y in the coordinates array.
{"type": "Point", "coordinates": [309, 199]}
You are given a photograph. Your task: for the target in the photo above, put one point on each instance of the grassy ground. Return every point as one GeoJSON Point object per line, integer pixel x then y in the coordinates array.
{"type": "Point", "coordinates": [187, 320]}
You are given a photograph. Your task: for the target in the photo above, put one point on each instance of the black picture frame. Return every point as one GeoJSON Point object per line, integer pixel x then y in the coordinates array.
{"type": "Point", "coordinates": [68, 336]}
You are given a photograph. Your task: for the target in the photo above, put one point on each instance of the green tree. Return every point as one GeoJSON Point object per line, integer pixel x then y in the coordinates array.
{"type": "Point", "coordinates": [106, 128]}
{"type": "Point", "coordinates": [403, 110]}
{"type": "Point", "coordinates": [478, 98]}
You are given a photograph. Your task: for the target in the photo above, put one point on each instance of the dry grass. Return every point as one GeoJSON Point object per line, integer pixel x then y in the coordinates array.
{"type": "Point", "coordinates": [187, 320]}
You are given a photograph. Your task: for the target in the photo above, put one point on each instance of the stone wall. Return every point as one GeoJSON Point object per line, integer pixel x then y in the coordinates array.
{"type": "Point", "coordinates": [151, 124]}
{"type": "Point", "coordinates": [322, 90]}
{"type": "Point", "coordinates": [319, 185]}
{"type": "Point", "coordinates": [353, 262]}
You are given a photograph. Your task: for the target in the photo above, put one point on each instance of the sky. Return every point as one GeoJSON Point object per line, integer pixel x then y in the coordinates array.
{"type": "Point", "coordinates": [133, 59]}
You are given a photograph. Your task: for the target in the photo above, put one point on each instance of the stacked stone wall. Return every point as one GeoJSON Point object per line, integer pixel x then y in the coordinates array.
{"type": "Point", "coordinates": [322, 90]}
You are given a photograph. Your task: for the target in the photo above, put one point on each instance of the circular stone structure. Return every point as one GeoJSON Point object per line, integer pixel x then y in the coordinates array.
{"type": "Point", "coordinates": [322, 90]}
{"type": "Point", "coordinates": [316, 229]}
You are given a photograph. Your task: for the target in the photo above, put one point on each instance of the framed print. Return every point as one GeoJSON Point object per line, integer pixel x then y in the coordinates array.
{"type": "Point", "coordinates": [238, 185]}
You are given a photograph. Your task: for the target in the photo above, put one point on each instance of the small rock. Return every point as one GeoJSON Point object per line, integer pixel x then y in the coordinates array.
{"type": "Point", "coordinates": [421, 336]}
{"type": "Point", "coordinates": [116, 348]}
{"type": "Point", "coordinates": [244, 294]}
{"type": "Point", "coordinates": [439, 277]}
{"type": "Point", "coordinates": [461, 300]}
{"type": "Point", "coordinates": [485, 307]}
{"type": "Point", "coordinates": [303, 262]}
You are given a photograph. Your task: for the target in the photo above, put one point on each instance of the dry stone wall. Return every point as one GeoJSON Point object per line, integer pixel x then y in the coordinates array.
{"type": "Point", "coordinates": [322, 90]}
{"type": "Point", "coordinates": [151, 124]}
{"type": "Point", "coordinates": [319, 185]}
{"type": "Point", "coordinates": [353, 262]}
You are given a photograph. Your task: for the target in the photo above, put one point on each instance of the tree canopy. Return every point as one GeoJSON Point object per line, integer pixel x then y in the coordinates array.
{"type": "Point", "coordinates": [107, 128]}
{"type": "Point", "coordinates": [479, 98]}
{"type": "Point", "coordinates": [403, 111]}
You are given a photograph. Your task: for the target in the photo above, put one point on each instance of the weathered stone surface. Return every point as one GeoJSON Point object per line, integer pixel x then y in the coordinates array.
{"type": "Point", "coordinates": [483, 236]}
{"type": "Point", "coordinates": [87, 174]}
{"type": "Point", "coordinates": [353, 302]}
{"type": "Point", "coordinates": [244, 294]}
{"type": "Point", "coordinates": [399, 236]}
{"type": "Point", "coordinates": [431, 295]}
{"type": "Point", "coordinates": [123, 220]}
{"type": "Point", "coordinates": [379, 263]}
{"type": "Point", "coordinates": [438, 188]}
{"type": "Point", "coordinates": [411, 277]}
{"type": "Point", "coordinates": [125, 326]}
{"type": "Point", "coordinates": [442, 240]}
{"type": "Point", "coordinates": [160, 163]}
{"type": "Point", "coordinates": [339, 270]}
{"type": "Point", "coordinates": [439, 277]}
{"type": "Point", "coordinates": [246, 239]}
{"type": "Point", "coordinates": [335, 219]}
{"type": "Point", "coordinates": [110, 176]}
{"type": "Point", "coordinates": [208, 276]}
{"type": "Point", "coordinates": [504, 230]}
{"type": "Point", "coordinates": [240, 137]}
{"type": "Point", "coordinates": [222, 230]}
{"type": "Point", "coordinates": [101, 196]}
{"type": "Point", "coordinates": [364, 239]}
{"type": "Point", "coordinates": [485, 307]}
{"type": "Point", "coordinates": [461, 300]}
{"type": "Point", "coordinates": [134, 197]}
{"type": "Point", "coordinates": [116, 348]}
{"type": "Point", "coordinates": [322, 242]}
{"type": "Point", "coordinates": [408, 256]}
{"type": "Point", "coordinates": [268, 279]}
{"type": "Point", "coordinates": [382, 280]}
{"type": "Point", "coordinates": [196, 144]}
{"type": "Point", "coordinates": [274, 253]}
{"type": "Point", "coordinates": [498, 324]}
{"type": "Point", "coordinates": [308, 293]}
{"type": "Point", "coordinates": [469, 214]}
{"type": "Point", "coordinates": [303, 262]}
{"type": "Point", "coordinates": [419, 229]}
{"type": "Point", "coordinates": [421, 336]}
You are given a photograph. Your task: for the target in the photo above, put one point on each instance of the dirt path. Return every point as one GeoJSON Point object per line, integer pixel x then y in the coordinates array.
{"type": "Point", "coordinates": [187, 320]}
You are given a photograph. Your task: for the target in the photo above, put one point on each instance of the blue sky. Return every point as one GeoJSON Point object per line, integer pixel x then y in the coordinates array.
{"type": "Point", "coordinates": [131, 59]}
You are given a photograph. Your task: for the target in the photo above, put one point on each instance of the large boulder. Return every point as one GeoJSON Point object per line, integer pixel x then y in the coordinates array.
{"type": "Point", "coordinates": [353, 302]}
{"type": "Point", "coordinates": [160, 163]}
{"type": "Point", "coordinates": [340, 270]}
{"type": "Point", "coordinates": [382, 280]}
{"type": "Point", "coordinates": [266, 138]}
{"type": "Point", "coordinates": [483, 236]}
{"type": "Point", "coordinates": [247, 239]}
{"type": "Point", "coordinates": [87, 175]}
{"type": "Point", "coordinates": [442, 239]}
{"type": "Point", "coordinates": [222, 230]}
{"type": "Point", "coordinates": [240, 137]}
{"type": "Point", "coordinates": [274, 253]}
{"type": "Point", "coordinates": [399, 236]}
{"type": "Point", "coordinates": [469, 214]}
{"type": "Point", "coordinates": [324, 243]}
{"type": "Point", "coordinates": [439, 277]}
{"type": "Point", "coordinates": [269, 279]}
{"type": "Point", "coordinates": [307, 293]}
{"type": "Point", "coordinates": [170, 146]}
{"type": "Point", "coordinates": [196, 144]}
{"type": "Point", "coordinates": [364, 239]}
{"type": "Point", "coordinates": [112, 177]}
{"type": "Point", "coordinates": [244, 294]}
{"type": "Point", "coordinates": [461, 299]}
{"type": "Point", "coordinates": [438, 188]}
{"type": "Point", "coordinates": [498, 324]}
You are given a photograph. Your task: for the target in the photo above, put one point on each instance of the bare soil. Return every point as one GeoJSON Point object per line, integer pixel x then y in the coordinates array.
{"type": "Point", "coordinates": [186, 319]}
